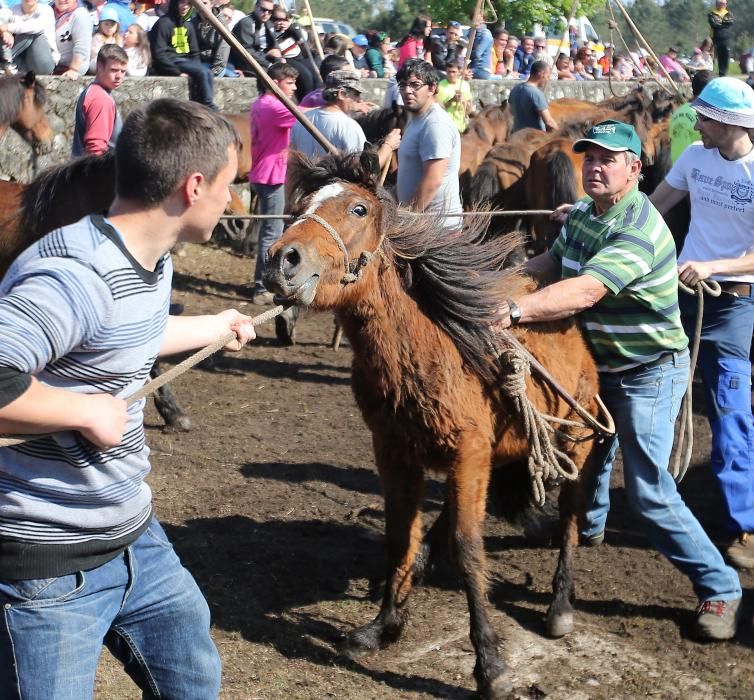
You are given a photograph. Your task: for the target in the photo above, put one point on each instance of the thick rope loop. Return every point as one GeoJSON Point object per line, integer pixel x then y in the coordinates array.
{"type": "Point", "coordinates": [685, 439]}
{"type": "Point", "coordinates": [546, 463]}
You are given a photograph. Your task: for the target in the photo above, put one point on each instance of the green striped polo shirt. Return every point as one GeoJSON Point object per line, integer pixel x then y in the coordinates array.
{"type": "Point", "coordinates": [630, 250]}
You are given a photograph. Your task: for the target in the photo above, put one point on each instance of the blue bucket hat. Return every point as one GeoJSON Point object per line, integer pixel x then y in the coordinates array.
{"type": "Point", "coordinates": [727, 100]}
{"type": "Point", "coordinates": [360, 40]}
{"type": "Point", "coordinates": [612, 135]}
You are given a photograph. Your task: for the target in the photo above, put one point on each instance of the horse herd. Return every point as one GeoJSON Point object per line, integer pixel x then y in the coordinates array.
{"type": "Point", "coordinates": [418, 311]}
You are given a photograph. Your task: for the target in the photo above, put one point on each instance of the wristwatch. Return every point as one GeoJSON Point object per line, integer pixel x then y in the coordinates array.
{"type": "Point", "coordinates": [514, 312]}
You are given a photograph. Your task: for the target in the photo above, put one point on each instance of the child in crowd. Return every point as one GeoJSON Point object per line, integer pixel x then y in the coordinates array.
{"type": "Point", "coordinates": [454, 95]}
{"type": "Point", "coordinates": [136, 44]}
{"type": "Point", "coordinates": [108, 32]}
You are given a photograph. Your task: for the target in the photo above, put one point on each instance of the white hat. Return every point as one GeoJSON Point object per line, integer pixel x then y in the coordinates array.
{"type": "Point", "coordinates": [727, 100]}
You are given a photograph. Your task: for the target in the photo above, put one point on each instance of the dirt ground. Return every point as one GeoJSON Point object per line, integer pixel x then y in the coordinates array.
{"type": "Point", "coordinates": [273, 503]}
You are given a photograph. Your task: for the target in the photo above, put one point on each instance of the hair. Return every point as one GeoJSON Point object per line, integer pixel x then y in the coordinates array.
{"type": "Point", "coordinates": [332, 63]}
{"type": "Point", "coordinates": [420, 69]}
{"type": "Point", "coordinates": [166, 140]}
{"type": "Point", "coordinates": [706, 44]}
{"type": "Point", "coordinates": [330, 95]}
{"type": "Point", "coordinates": [12, 92]}
{"type": "Point", "coordinates": [538, 67]}
{"type": "Point", "coordinates": [700, 79]}
{"type": "Point", "coordinates": [280, 10]}
{"type": "Point", "coordinates": [111, 52]}
{"type": "Point", "coordinates": [455, 63]}
{"type": "Point", "coordinates": [419, 25]}
{"type": "Point", "coordinates": [376, 39]}
{"type": "Point", "coordinates": [142, 46]}
{"type": "Point", "coordinates": [278, 71]}
{"type": "Point", "coordinates": [500, 32]}
{"type": "Point", "coordinates": [338, 44]}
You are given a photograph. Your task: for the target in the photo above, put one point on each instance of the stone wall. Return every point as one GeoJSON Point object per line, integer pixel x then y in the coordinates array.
{"type": "Point", "coordinates": [18, 161]}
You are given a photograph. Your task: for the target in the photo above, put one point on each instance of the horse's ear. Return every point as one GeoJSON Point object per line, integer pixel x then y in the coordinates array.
{"type": "Point", "coordinates": [370, 163]}
{"type": "Point", "coordinates": [29, 79]}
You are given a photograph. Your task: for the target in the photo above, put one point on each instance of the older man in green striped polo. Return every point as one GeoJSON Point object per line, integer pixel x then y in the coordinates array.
{"type": "Point", "coordinates": [616, 262]}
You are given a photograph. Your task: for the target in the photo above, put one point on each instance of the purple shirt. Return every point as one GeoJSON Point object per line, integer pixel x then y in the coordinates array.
{"type": "Point", "coordinates": [271, 124]}
{"type": "Point", "coordinates": [313, 99]}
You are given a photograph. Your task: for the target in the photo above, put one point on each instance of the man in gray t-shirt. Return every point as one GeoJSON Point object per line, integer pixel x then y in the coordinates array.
{"type": "Point", "coordinates": [528, 102]}
{"type": "Point", "coordinates": [430, 152]}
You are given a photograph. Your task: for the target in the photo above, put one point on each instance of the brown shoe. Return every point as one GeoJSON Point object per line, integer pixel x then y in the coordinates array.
{"type": "Point", "coordinates": [741, 553]}
{"type": "Point", "coordinates": [717, 620]}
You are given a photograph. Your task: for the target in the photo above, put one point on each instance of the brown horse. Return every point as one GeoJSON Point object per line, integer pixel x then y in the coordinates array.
{"type": "Point", "coordinates": [489, 127]}
{"type": "Point", "coordinates": [417, 308]}
{"type": "Point", "coordinates": [58, 197]}
{"type": "Point", "coordinates": [22, 106]}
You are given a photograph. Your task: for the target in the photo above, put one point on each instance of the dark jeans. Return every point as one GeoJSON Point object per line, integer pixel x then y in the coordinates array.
{"type": "Point", "coordinates": [726, 373]}
{"type": "Point", "coordinates": [32, 52]}
{"type": "Point", "coordinates": [723, 58]}
{"type": "Point", "coordinates": [202, 80]}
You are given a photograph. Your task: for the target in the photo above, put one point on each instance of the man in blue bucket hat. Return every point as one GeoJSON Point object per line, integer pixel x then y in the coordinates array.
{"type": "Point", "coordinates": [616, 263]}
{"type": "Point", "coordinates": [718, 175]}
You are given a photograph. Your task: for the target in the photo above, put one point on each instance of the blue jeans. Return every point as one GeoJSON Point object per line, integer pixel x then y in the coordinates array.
{"type": "Point", "coordinates": [726, 373]}
{"type": "Point", "coordinates": [32, 52]}
{"type": "Point", "coordinates": [271, 201]}
{"type": "Point", "coordinates": [143, 604]}
{"type": "Point", "coordinates": [645, 403]}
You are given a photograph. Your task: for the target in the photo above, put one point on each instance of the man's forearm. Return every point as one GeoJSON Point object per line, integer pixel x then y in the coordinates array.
{"type": "Point", "coordinates": [561, 299]}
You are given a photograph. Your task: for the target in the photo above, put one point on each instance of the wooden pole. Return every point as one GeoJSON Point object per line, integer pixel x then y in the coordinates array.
{"type": "Point", "coordinates": [472, 36]}
{"type": "Point", "coordinates": [206, 14]}
{"type": "Point", "coordinates": [315, 33]}
{"type": "Point", "coordinates": [642, 40]}
{"type": "Point", "coordinates": [567, 32]}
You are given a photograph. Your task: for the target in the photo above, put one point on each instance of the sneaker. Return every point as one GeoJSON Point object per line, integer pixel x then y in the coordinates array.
{"type": "Point", "coordinates": [263, 298]}
{"type": "Point", "coordinates": [717, 620]}
{"type": "Point", "coordinates": [741, 553]}
{"type": "Point", "coordinates": [592, 540]}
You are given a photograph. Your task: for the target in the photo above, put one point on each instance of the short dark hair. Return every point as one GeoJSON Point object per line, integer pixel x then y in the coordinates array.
{"type": "Point", "coordinates": [331, 63]}
{"type": "Point", "coordinates": [111, 52]}
{"type": "Point", "coordinates": [166, 140]}
{"type": "Point", "coordinates": [700, 80]}
{"type": "Point", "coordinates": [538, 67]}
{"type": "Point", "coordinates": [420, 69]}
{"type": "Point", "coordinates": [278, 71]}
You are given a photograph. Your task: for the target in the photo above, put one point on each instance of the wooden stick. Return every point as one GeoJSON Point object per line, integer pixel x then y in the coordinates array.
{"type": "Point", "coordinates": [315, 33]}
{"type": "Point", "coordinates": [206, 14]}
{"type": "Point", "coordinates": [567, 32]}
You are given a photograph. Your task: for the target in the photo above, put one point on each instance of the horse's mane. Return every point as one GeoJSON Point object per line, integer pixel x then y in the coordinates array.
{"type": "Point", "coordinates": [377, 123]}
{"type": "Point", "coordinates": [456, 277]}
{"type": "Point", "coordinates": [55, 197]}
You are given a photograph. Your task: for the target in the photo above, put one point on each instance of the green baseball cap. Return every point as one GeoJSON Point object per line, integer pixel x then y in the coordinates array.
{"type": "Point", "coordinates": [612, 135]}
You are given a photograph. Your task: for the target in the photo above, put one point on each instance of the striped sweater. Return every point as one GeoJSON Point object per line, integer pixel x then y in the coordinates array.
{"type": "Point", "coordinates": [79, 313]}
{"type": "Point", "coordinates": [630, 250]}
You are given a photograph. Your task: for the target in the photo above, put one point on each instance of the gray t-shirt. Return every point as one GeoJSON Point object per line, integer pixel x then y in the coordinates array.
{"type": "Point", "coordinates": [527, 102]}
{"type": "Point", "coordinates": [431, 136]}
{"type": "Point", "coordinates": [339, 129]}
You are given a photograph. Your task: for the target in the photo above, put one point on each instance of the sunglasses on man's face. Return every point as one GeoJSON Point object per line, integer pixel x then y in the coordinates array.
{"type": "Point", "coordinates": [266, 10]}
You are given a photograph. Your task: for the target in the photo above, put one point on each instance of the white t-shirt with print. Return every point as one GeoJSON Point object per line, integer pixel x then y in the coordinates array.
{"type": "Point", "coordinates": [722, 205]}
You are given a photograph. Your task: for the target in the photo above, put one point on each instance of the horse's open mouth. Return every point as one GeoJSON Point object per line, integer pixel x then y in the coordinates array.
{"type": "Point", "coordinates": [302, 294]}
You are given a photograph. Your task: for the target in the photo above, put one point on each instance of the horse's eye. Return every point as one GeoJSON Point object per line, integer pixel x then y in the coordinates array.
{"type": "Point", "coordinates": [360, 210]}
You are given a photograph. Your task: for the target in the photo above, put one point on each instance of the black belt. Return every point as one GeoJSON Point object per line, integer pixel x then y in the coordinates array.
{"type": "Point", "coordinates": [661, 360]}
{"type": "Point", "coordinates": [739, 289]}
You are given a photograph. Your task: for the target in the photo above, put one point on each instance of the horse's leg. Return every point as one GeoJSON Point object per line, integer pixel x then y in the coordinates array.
{"type": "Point", "coordinates": [560, 612]}
{"type": "Point", "coordinates": [167, 405]}
{"type": "Point", "coordinates": [434, 541]}
{"type": "Point", "coordinates": [467, 490]}
{"type": "Point", "coordinates": [403, 486]}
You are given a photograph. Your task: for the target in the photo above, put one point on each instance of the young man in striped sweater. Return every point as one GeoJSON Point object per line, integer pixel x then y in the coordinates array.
{"type": "Point", "coordinates": [83, 315]}
{"type": "Point", "coordinates": [616, 262]}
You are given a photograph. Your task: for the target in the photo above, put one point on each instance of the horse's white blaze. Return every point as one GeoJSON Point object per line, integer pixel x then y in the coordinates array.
{"type": "Point", "coordinates": [320, 197]}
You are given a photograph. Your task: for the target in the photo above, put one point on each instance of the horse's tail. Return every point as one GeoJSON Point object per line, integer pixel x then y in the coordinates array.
{"type": "Point", "coordinates": [562, 178]}
{"type": "Point", "coordinates": [484, 187]}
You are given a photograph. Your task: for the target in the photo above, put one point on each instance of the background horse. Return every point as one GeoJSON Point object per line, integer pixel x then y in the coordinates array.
{"type": "Point", "coordinates": [58, 197]}
{"type": "Point", "coordinates": [419, 317]}
{"type": "Point", "coordinates": [22, 106]}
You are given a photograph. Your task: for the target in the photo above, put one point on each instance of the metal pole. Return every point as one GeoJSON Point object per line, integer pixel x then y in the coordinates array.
{"type": "Point", "coordinates": [206, 13]}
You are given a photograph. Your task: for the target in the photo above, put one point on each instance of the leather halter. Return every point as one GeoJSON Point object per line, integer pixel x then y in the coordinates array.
{"type": "Point", "coordinates": [351, 275]}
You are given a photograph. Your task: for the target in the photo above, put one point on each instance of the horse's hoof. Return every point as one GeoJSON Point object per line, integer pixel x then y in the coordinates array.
{"type": "Point", "coordinates": [361, 640]}
{"type": "Point", "coordinates": [179, 423]}
{"type": "Point", "coordinates": [560, 624]}
{"type": "Point", "coordinates": [285, 326]}
{"type": "Point", "coordinates": [499, 688]}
